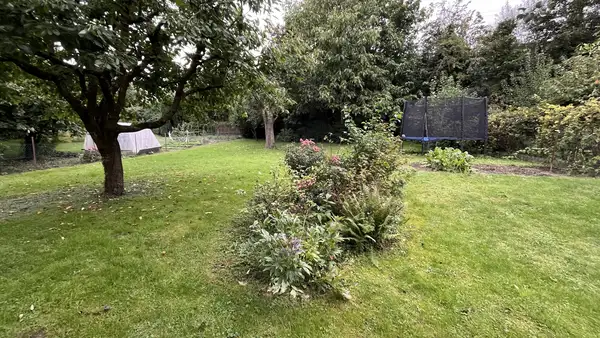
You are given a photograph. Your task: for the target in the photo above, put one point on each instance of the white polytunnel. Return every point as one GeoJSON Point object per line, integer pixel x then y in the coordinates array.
{"type": "Point", "coordinates": [141, 142]}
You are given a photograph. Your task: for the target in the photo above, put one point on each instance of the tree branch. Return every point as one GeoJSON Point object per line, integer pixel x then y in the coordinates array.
{"type": "Point", "coordinates": [201, 89]}
{"type": "Point", "coordinates": [126, 79]}
{"type": "Point", "coordinates": [31, 69]}
{"type": "Point", "coordinates": [53, 77]}
{"type": "Point", "coordinates": [179, 96]}
{"type": "Point", "coordinates": [142, 19]}
{"type": "Point", "coordinates": [104, 82]}
{"type": "Point", "coordinates": [92, 95]}
{"type": "Point", "coordinates": [58, 62]}
{"type": "Point", "coordinates": [82, 85]}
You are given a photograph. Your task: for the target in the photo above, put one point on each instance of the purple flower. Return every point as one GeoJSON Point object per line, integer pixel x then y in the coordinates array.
{"type": "Point", "coordinates": [296, 245]}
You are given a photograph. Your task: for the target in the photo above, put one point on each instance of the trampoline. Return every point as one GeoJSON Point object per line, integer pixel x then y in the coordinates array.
{"type": "Point", "coordinates": [453, 119]}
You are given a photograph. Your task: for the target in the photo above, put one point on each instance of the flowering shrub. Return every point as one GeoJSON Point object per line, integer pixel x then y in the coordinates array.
{"type": "Point", "coordinates": [301, 159]}
{"type": "Point", "coordinates": [293, 252]}
{"type": "Point", "coordinates": [449, 159]}
{"type": "Point", "coordinates": [374, 157]}
{"type": "Point", "coordinates": [296, 227]}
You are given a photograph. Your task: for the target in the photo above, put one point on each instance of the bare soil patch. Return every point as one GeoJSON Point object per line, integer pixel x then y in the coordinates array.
{"type": "Point", "coordinates": [502, 169]}
{"type": "Point", "coordinates": [514, 170]}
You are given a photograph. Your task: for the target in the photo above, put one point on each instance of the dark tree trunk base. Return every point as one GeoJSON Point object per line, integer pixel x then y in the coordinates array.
{"type": "Point", "coordinates": [114, 185]}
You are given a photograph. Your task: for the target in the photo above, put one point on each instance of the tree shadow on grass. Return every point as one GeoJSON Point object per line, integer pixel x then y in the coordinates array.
{"type": "Point", "coordinates": [69, 199]}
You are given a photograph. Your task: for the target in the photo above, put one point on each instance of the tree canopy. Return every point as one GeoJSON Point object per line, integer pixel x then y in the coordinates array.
{"type": "Point", "coordinates": [94, 51]}
{"type": "Point", "coordinates": [146, 60]}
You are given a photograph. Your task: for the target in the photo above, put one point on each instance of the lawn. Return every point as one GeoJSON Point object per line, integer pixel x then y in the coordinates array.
{"type": "Point", "coordinates": [14, 148]}
{"type": "Point", "coordinates": [485, 255]}
{"type": "Point", "coordinates": [71, 147]}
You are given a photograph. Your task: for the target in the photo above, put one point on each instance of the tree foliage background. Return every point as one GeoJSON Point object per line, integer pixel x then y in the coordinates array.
{"type": "Point", "coordinates": [69, 63]}
{"type": "Point", "coordinates": [366, 57]}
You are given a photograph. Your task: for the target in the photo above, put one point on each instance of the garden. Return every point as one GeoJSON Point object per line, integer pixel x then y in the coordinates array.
{"type": "Point", "coordinates": [347, 168]}
{"type": "Point", "coordinates": [160, 261]}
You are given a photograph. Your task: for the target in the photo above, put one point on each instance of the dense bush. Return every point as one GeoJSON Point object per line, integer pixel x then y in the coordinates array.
{"type": "Point", "coordinates": [293, 252]}
{"type": "Point", "coordinates": [3, 149]}
{"type": "Point", "coordinates": [571, 134]}
{"type": "Point", "coordinates": [374, 157]}
{"type": "Point", "coordinates": [449, 159]}
{"type": "Point", "coordinates": [286, 135]}
{"type": "Point", "coordinates": [370, 219]}
{"type": "Point", "coordinates": [90, 157]}
{"type": "Point", "coordinates": [301, 159]}
{"type": "Point", "coordinates": [512, 129]}
{"type": "Point", "coordinates": [565, 136]}
{"type": "Point", "coordinates": [297, 226]}
{"type": "Point", "coordinates": [269, 197]}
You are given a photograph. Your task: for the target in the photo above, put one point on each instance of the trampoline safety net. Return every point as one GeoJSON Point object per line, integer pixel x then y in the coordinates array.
{"type": "Point", "coordinates": [432, 119]}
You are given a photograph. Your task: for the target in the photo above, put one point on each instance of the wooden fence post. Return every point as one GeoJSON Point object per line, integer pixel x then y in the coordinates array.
{"type": "Point", "coordinates": [33, 148]}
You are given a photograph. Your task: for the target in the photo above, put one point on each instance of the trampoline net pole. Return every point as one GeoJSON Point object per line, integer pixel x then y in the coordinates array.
{"type": "Point", "coordinates": [462, 121]}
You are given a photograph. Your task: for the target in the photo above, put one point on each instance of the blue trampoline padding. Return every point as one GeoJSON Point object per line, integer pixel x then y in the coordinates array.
{"type": "Point", "coordinates": [429, 139]}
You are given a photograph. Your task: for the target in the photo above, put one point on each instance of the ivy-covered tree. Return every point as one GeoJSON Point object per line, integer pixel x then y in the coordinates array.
{"type": "Point", "coordinates": [92, 52]}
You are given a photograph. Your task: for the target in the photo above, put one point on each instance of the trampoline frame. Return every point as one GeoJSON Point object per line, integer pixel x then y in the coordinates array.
{"type": "Point", "coordinates": [426, 138]}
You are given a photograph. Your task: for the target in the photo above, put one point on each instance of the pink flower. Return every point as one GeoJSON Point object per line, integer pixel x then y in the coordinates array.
{"type": "Point", "coordinates": [306, 143]}
{"type": "Point", "coordinates": [316, 149]}
{"type": "Point", "coordinates": [597, 82]}
{"type": "Point", "coordinates": [335, 159]}
{"type": "Point", "coordinates": [306, 183]}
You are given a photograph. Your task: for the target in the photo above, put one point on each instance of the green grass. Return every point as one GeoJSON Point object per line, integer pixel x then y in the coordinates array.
{"type": "Point", "coordinates": [487, 255]}
{"type": "Point", "coordinates": [11, 148]}
{"type": "Point", "coordinates": [71, 147]}
{"type": "Point", "coordinates": [14, 148]}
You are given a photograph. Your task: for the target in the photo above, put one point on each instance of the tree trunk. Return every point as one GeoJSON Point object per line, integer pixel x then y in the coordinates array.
{"type": "Point", "coordinates": [269, 121]}
{"type": "Point", "coordinates": [110, 150]}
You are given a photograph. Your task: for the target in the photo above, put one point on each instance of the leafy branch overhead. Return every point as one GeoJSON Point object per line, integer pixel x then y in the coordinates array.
{"type": "Point", "coordinates": [93, 52]}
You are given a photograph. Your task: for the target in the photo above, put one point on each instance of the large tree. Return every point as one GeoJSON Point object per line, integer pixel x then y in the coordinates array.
{"type": "Point", "coordinates": [94, 51]}
{"type": "Point", "coordinates": [364, 51]}
{"type": "Point", "coordinates": [558, 27]}
{"type": "Point", "coordinates": [499, 57]}
{"type": "Point", "coordinates": [449, 33]}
